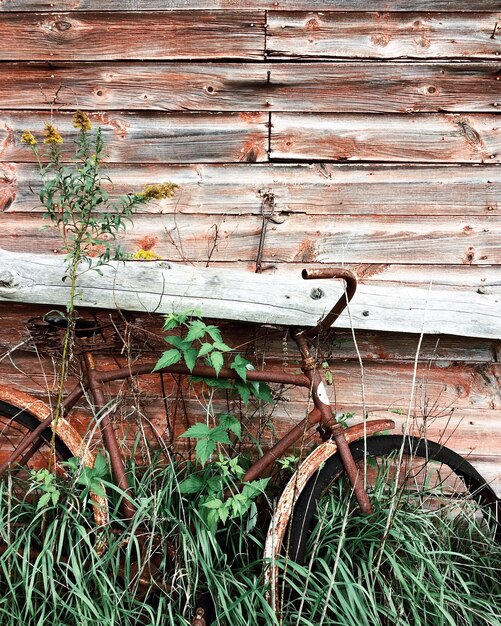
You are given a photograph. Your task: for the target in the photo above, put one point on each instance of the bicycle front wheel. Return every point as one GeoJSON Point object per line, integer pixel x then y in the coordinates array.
{"type": "Point", "coordinates": [429, 505]}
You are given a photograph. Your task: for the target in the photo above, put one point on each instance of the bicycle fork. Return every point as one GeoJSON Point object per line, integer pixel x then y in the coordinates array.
{"type": "Point", "coordinates": [328, 422]}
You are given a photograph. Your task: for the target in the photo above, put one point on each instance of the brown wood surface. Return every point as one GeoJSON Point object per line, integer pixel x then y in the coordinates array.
{"type": "Point", "coordinates": [382, 35]}
{"type": "Point", "coordinates": [404, 138]}
{"type": "Point", "coordinates": [149, 137]}
{"type": "Point", "coordinates": [355, 87]}
{"type": "Point", "coordinates": [414, 88]}
{"type": "Point", "coordinates": [132, 35]}
{"type": "Point", "coordinates": [346, 239]}
{"type": "Point", "coordinates": [320, 189]}
{"type": "Point", "coordinates": [154, 137]}
{"type": "Point", "coordinates": [286, 5]}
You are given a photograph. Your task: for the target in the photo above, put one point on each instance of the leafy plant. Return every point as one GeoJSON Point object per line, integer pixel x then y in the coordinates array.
{"type": "Point", "coordinates": [78, 204]}
{"type": "Point", "coordinates": [198, 340]}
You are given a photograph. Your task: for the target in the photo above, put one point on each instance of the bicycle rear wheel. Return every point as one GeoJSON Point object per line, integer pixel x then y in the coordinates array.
{"type": "Point", "coordinates": [416, 486]}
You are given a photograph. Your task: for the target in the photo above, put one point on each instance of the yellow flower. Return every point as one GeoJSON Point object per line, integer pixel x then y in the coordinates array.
{"type": "Point", "coordinates": [160, 191]}
{"type": "Point", "coordinates": [81, 121]}
{"type": "Point", "coordinates": [146, 255]}
{"type": "Point", "coordinates": [52, 135]}
{"type": "Point", "coordinates": [27, 137]}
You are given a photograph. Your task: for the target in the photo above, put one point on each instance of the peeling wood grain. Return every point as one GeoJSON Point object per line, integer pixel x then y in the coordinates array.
{"type": "Point", "coordinates": [149, 137]}
{"type": "Point", "coordinates": [382, 35]}
{"type": "Point", "coordinates": [354, 87]}
{"type": "Point", "coordinates": [92, 36]}
{"type": "Point", "coordinates": [404, 138]}
{"type": "Point", "coordinates": [297, 5]}
{"type": "Point", "coordinates": [320, 189]}
{"type": "Point", "coordinates": [345, 239]}
{"type": "Point", "coordinates": [162, 286]}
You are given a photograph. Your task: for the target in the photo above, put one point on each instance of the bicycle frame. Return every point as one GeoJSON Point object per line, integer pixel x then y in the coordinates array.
{"type": "Point", "coordinates": [321, 415]}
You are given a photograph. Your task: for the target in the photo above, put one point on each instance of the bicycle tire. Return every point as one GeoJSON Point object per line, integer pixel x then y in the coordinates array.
{"type": "Point", "coordinates": [461, 476]}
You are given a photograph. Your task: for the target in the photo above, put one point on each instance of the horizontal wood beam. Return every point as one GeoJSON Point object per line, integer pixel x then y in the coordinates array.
{"type": "Point", "coordinates": [92, 36]}
{"type": "Point", "coordinates": [161, 287]}
{"type": "Point", "coordinates": [320, 189]}
{"type": "Point", "coordinates": [402, 138]}
{"type": "Point", "coordinates": [148, 137]}
{"type": "Point", "coordinates": [375, 35]}
{"type": "Point", "coordinates": [330, 87]}
{"type": "Point", "coordinates": [350, 239]}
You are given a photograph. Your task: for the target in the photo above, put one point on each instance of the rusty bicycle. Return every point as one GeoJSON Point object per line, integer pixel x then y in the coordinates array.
{"type": "Point", "coordinates": [430, 474]}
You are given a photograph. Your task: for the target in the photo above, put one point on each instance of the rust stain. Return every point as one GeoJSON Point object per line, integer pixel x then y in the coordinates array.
{"type": "Point", "coordinates": [148, 242]}
{"type": "Point", "coordinates": [370, 269]}
{"type": "Point", "coordinates": [381, 39]}
{"type": "Point", "coordinates": [307, 252]}
{"type": "Point", "coordinates": [9, 140]}
{"type": "Point", "coordinates": [312, 24]}
{"type": "Point", "coordinates": [467, 230]}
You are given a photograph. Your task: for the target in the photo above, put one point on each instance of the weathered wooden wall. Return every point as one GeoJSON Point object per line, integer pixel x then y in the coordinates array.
{"type": "Point", "coordinates": [375, 133]}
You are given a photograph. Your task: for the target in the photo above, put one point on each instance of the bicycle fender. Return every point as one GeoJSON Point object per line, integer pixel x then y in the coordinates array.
{"type": "Point", "coordinates": [66, 432]}
{"type": "Point", "coordinates": [296, 484]}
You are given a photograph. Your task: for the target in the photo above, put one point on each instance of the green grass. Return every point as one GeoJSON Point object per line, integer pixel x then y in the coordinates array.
{"type": "Point", "coordinates": [432, 570]}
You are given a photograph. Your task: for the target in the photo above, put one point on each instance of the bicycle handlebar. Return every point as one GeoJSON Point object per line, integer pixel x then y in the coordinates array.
{"type": "Point", "coordinates": [351, 286]}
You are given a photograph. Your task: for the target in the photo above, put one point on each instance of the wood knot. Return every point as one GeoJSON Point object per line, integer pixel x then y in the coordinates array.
{"type": "Point", "coordinates": [7, 279]}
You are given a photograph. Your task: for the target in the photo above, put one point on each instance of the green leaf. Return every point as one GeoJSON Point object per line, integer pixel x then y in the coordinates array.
{"type": "Point", "coordinates": [230, 422]}
{"type": "Point", "coordinates": [219, 345]}
{"type": "Point", "coordinates": [205, 348]}
{"type": "Point", "coordinates": [197, 431]}
{"type": "Point", "coordinates": [178, 342]}
{"type": "Point", "coordinates": [97, 488]}
{"type": "Point", "coordinates": [240, 364]}
{"type": "Point", "coordinates": [197, 329]}
{"type": "Point", "coordinates": [168, 358]}
{"type": "Point", "coordinates": [223, 513]}
{"type": "Point", "coordinates": [190, 358]}
{"type": "Point", "coordinates": [100, 466]}
{"type": "Point", "coordinates": [204, 449]}
{"type": "Point", "coordinates": [220, 383]}
{"type": "Point", "coordinates": [243, 391]}
{"type": "Point", "coordinates": [220, 435]}
{"type": "Point", "coordinates": [214, 333]}
{"type": "Point", "coordinates": [192, 484]}
{"type": "Point", "coordinates": [55, 497]}
{"type": "Point", "coordinates": [263, 392]}
{"type": "Point", "coordinates": [216, 360]}
{"type": "Point", "coordinates": [215, 503]}
{"type": "Point", "coordinates": [44, 500]}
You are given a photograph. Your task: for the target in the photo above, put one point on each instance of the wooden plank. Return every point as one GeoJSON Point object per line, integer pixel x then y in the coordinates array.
{"type": "Point", "coordinates": [104, 36]}
{"type": "Point", "coordinates": [297, 5]}
{"type": "Point", "coordinates": [149, 137]}
{"type": "Point", "coordinates": [345, 239]}
{"type": "Point", "coordinates": [385, 347]}
{"type": "Point", "coordinates": [162, 286]}
{"type": "Point", "coordinates": [402, 138]}
{"type": "Point", "coordinates": [354, 87]}
{"type": "Point", "coordinates": [320, 189]}
{"type": "Point", "coordinates": [373, 35]}
{"type": "Point", "coordinates": [385, 87]}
